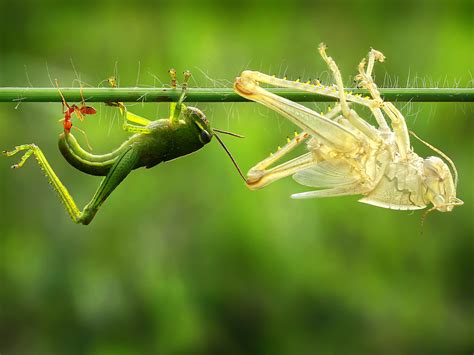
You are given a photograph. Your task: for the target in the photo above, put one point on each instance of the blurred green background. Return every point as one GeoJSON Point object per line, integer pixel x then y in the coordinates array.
{"type": "Point", "coordinates": [183, 259]}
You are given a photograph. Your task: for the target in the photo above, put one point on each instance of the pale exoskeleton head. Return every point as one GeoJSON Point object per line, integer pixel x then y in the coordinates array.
{"type": "Point", "coordinates": [440, 185]}
{"type": "Point", "coordinates": [439, 182]}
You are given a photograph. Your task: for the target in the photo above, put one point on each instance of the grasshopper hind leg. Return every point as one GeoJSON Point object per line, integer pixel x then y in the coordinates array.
{"type": "Point", "coordinates": [64, 195]}
{"type": "Point", "coordinates": [123, 165]}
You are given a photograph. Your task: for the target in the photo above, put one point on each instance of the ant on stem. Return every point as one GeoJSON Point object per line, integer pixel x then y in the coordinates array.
{"type": "Point", "coordinates": [79, 111]}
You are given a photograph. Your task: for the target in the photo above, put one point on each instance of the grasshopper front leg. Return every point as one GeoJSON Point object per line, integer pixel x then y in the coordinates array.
{"type": "Point", "coordinates": [128, 116]}
{"type": "Point", "coordinates": [124, 163]}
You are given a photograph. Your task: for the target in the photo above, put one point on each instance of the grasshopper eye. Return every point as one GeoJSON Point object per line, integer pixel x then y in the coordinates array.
{"type": "Point", "coordinates": [205, 136]}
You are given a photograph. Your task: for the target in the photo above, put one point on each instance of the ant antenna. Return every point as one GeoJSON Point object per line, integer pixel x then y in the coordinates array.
{"type": "Point", "coordinates": [442, 154]}
{"type": "Point", "coordinates": [229, 154]}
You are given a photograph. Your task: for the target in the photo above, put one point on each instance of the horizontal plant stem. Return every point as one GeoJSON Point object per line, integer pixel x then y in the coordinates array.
{"type": "Point", "coordinates": [26, 94]}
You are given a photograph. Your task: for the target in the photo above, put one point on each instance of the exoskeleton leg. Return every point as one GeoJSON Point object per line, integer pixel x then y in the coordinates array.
{"type": "Point", "coordinates": [311, 87]}
{"type": "Point", "coordinates": [368, 130]}
{"type": "Point", "coordinates": [327, 130]}
{"type": "Point", "coordinates": [259, 176]}
{"type": "Point", "coordinates": [366, 77]}
{"type": "Point", "coordinates": [121, 168]}
{"type": "Point", "coordinates": [397, 120]}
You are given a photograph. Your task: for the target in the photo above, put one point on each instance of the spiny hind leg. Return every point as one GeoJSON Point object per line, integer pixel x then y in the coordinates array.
{"type": "Point", "coordinates": [260, 176]}
{"type": "Point", "coordinates": [64, 195]}
{"type": "Point", "coordinates": [121, 168]}
{"type": "Point", "coordinates": [123, 165]}
{"type": "Point", "coordinates": [247, 85]}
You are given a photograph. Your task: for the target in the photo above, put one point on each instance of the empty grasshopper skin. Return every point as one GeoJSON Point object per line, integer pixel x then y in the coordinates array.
{"type": "Point", "coordinates": [347, 155]}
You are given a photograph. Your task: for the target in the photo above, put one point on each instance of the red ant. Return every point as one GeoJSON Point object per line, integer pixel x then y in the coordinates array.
{"type": "Point", "coordinates": [80, 111]}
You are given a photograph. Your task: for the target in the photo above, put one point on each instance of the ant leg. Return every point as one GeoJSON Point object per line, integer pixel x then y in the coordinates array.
{"type": "Point", "coordinates": [61, 94]}
{"type": "Point", "coordinates": [67, 124]}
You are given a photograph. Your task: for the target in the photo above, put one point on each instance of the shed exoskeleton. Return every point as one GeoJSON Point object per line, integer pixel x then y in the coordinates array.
{"type": "Point", "coordinates": [347, 155]}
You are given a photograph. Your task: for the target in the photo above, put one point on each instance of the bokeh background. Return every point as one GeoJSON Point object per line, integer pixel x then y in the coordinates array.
{"type": "Point", "coordinates": [183, 259]}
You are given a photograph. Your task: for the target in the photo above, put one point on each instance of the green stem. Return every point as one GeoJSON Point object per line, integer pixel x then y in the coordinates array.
{"type": "Point", "coordinates": [25, 94]}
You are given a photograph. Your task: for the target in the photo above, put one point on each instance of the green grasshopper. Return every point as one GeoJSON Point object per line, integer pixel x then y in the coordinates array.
{"type": "Point", "coordinates": [185, 131]}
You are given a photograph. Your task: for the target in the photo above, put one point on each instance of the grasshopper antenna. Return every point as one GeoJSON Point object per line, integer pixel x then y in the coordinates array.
{"type": "Point", "coordinates": [228, 133]}
{"type": "Point", "coordinates": [227, 150]}
{"type": "Point", "coordinates": [442, 154]}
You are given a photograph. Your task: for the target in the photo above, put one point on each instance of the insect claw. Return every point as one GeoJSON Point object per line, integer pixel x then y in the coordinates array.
{"type": "Point", "coordinates": [187, 75]}
{"type": "Point", "coordinates": [112, 81]}
{"type": "Point", "coordinates": [172, 73]}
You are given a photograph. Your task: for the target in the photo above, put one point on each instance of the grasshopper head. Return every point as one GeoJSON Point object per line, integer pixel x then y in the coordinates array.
{"type": "Point", "coordinates": [198, 119]}
{"type": "Point", "coordinates": [440, 185]}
